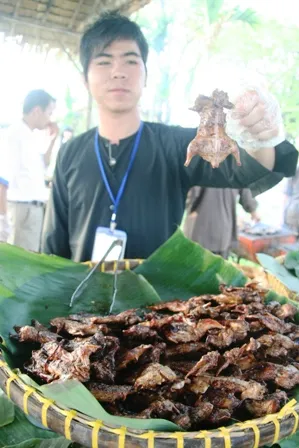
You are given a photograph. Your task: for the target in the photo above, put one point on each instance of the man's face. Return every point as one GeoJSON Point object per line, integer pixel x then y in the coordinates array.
{"type": "Point", "coordinates": [116, 76]}
{"type": "Point", "coordinates": [42, 117]}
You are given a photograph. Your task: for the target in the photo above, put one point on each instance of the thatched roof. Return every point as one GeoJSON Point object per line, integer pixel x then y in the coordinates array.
{"type": "Point", "coordinates": [56, 23]}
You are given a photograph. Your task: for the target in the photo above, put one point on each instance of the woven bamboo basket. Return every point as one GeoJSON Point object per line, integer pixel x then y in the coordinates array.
{"type": "Point", "coordinates": [90, 433]}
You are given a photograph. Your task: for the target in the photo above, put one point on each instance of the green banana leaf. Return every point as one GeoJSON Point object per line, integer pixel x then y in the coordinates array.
{"type": "Point", "coordinates": [21, 433]}
{"type": "Point", "coordinates": [292, 260]}
{"type": "Point", "coordinates": [16, 431]}
{"type": "Point", "coordinates": [74, 395]}
{"type": "Point", "coordinates": [279, 271]}
{"type": "Point", "coordinates": [34, 286]}
{"type": "Point", "coordinates": [290, 442]}
{"type": "Point", "coordinates": [181, 268]}
{"type": "Point", "coordinates": [58, 442]}
{"type": "Point", "coordinates": [7, 410]}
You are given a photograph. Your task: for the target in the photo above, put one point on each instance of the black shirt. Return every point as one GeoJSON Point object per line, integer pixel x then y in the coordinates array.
{"type": "Point", "coordinates": [153, 202]}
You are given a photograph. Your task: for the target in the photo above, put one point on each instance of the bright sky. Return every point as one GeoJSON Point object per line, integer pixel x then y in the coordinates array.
{"type": "Point", "coordinates": [284, 11]}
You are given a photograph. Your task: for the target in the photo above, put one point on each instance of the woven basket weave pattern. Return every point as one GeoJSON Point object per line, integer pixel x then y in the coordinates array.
{"type": "Point", "coordinates": [96, 434]}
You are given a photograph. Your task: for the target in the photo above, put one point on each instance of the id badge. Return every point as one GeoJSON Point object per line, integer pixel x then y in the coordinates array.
{"type": "Point", "coordinates": [103, 239]}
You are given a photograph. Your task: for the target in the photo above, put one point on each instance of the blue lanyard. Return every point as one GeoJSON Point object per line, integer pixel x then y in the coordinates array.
{"type": "Point", "coordinates": [116, 200]}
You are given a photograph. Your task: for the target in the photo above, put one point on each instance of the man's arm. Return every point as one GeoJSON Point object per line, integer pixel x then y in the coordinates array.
{"type": "Point", "coordinates": [251, 174]}
{"type": "Point", "coordinates": [3, 198]}
{"type": "Point", "coordinates": [8, 151]}
{"type": "Point", "coordinates": [55, 238]}
{"type": "Point", "coordinates": [53, 132]}
{"type": "Point", "coordinates": [4, 226]}
{"type": "Point", "coordinates": [265, 157]}
{"type": "Point", "coordinates": [256, 125]}
{"type": "Point", "coordinates": [249, 204]}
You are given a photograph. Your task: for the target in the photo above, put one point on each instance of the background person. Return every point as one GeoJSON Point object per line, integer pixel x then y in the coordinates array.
{"type": "Point", "coordinates": [22, 172]}
{"type": "Point", "coordinates": [211, 218]}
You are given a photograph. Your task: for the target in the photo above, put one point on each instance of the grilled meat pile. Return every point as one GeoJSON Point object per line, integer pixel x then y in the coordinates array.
{"type": "Point", "coordinates": [198, 363]}
{"type": "Point", "coordinates": [211, 141]}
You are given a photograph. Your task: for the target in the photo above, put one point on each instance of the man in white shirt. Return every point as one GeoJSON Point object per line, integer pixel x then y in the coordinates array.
{"type": "Point", "coordinates": [22, 168]}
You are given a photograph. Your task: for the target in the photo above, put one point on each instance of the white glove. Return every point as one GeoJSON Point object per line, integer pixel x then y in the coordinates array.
{"type": "Point", "coordinates": [4, 228]}
{"type": "Point", "coordinates": [256, 120]}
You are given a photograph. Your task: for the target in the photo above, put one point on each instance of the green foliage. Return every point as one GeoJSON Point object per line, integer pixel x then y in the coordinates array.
{"type": "Point", "coordinates": [279, 271]}
{"type": "Point", "coordinates": [292, 261]}
{"type": "Point", "coordinates": [7, 410]}
{"type": "Point", "coordinates": [204, 29]}
{"type": "Point", "coordinates": [248, 16]}
{"type": "Point", "coordinates": [22, 434]}
{"type": "Point", "coordinates": [213, 9]}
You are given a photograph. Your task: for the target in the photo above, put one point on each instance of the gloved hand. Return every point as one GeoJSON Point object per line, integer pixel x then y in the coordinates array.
{"type": "Point", "coordinates": [4, 228]}
{"type": "Point", "coordinates": [256, 121]}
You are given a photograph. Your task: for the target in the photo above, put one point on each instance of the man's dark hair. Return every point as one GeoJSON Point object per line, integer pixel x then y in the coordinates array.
{"type": "Point", "coordinates": [108, 28]}
{"type": "Point", "coordinates": [37, 98]}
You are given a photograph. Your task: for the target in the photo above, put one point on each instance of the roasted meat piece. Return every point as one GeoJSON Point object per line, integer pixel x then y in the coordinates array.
{"type": "Point", "coordinates": [191, 349]}
{"type": "Point", "coordinates": [269, 405]}
{"type": "Point", "coordinates": [126, 318]}
{"type": "Point", "coordinates": [287, 310]}
{"type": "Point", "coordinates": [75, 328]}
{"type": "Point", "coordinates": [221, 399]}
{"type": "Point", "coordinates": [211, 141]}
{"type": "Point", "coordinates": [271, 322]}
{"type": "Point", "coordinates": [154, 375]}
{"type": "Point", "coordinates": [175, 306]}
{"type": "Point", "coordinates": [276, 345]}
{"type": "Point", "coordinates": [109, 393]}
{"type": "Point", "coordinates": [159, 322]}
{"type": "Point", "coordinates": [227, 299]}
{"type": "Point", "coordinates": [161, 409]}
{"type": "Point", "coordinates": [286, 377]}
{"type": "Point", "coordinates": [61, 364]}
{"type": "Point", "coordinates": [103, 361]}
{"type": "Point", "coordinates": [35, 333]}
{"type": "Point", "coordinates": [205, 325]}
{"type": "Point", "coordinates": [181, 332]}
{"type": "Point", "coordinates": [218, 417]}
{"type": "Point", "coordinates": [240, 356]}
{"type": "Point", "coordinates": [185, 416]}
{"type": "Point", "coordinates": [207, 362]}
{"type": "Point", "coordinates": [131, 356]}
{"type": "Point", "coordinates": [181, 367]}
{"type": "Point", "coordinates": [220, 339]}
{"type": "Point", "coordinates": [141, 333]}
{"type": "Point", "coordinates": [247, 389]}
{"type": "Point", "coordinates": [248, 294]}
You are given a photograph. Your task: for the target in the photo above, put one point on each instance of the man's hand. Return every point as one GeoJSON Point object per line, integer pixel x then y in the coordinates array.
{"type": "Point", "coordinates": [256, 121]}
{"type": "Point", "coordinates": [4, 228]}
{"type": "Point", "coordinates": [255, 216]}
{"type": "Point", "coordinates": [53, 130]}
{"type": "Point", "coordinates": [258, 115]}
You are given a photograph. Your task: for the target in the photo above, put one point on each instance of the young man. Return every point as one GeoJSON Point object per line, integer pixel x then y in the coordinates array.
{"type": "Point", "coordinates": [132, 174]}
{"type": "Point", "coordinates": [22, 169]}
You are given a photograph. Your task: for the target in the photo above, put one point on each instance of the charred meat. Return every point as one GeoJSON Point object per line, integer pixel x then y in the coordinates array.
{"type": "Point", "coordinates": [198, 363]}
{"type": "Point", "coordinates": [211, 141]}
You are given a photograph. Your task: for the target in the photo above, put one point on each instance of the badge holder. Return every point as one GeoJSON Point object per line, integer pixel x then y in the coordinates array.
{"type": "Point", "coordinates": [83, 284]}
{"type": "Point", "coordinates": [104, 237]}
